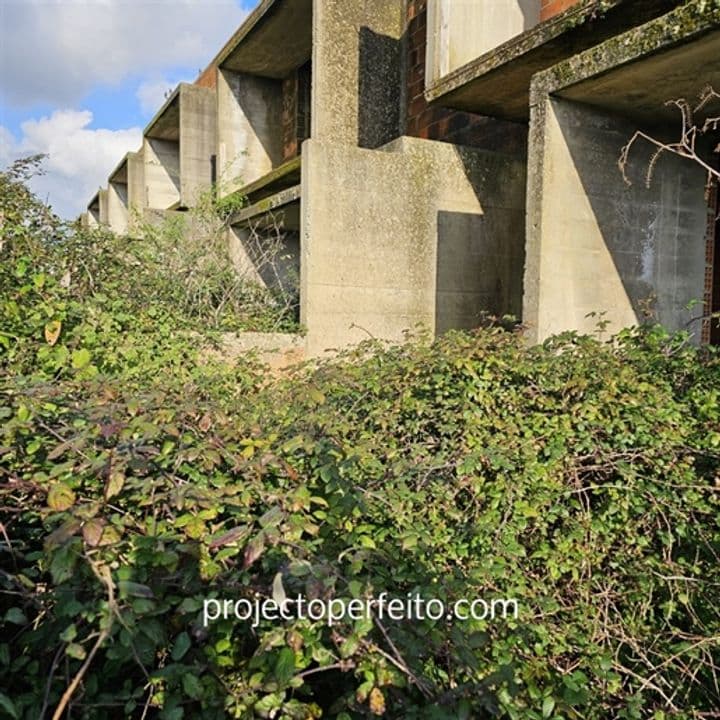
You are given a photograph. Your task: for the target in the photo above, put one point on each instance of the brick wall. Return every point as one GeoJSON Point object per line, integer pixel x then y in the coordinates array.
{"type": "Point", "coordinates": [295, 110]}
{"type": "Point", "coordinates": [550, 8]}
{"type": "Point", "coordinates": [207, 78]}
{"type": "Point", "coordinates": [436, 123]}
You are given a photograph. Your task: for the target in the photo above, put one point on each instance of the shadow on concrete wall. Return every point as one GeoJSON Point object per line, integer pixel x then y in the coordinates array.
{"type": "Point", "coordinates": [655, 235]}
{"type": "Point", "coordinates": [379, 84]}
{"type": "Point", "coordinates": [531, 12]}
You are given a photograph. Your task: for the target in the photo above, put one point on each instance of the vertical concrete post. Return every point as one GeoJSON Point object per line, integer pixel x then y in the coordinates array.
{"type": "Point", "coordinates": [356, 71]}
{"type": "Point", "coordinates": [136, 188]}
{"type": "Point", "coordinates": [249, 132]}
{"type": "Point", "coordinates": [197, 141]}
{"type": "Point", "coordinates": [161, 160]}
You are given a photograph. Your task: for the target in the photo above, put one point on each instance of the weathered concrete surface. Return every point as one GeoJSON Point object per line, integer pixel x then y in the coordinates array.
{"type": "Point", "coordinates": [137, 201]}
{"type": "Point", "coordinates": [594, 244]}
{"type": "Point", "coordinates": [274, 39]}
{"type": "Point", "coordinates": [598, 246]}
{"type": "Point", "coordinates": [198, 141]}
{"type": "Point", "coordinates": [182, 138]}
{"type": "Point", "coordinates": [118, 207]}
{"type": "Point", "coordinates": [103, 215]}
{"type": "Point", "coordinates": [497, 83]}
{"type": "Point", "coordinates": [161, 173]}
{"type": "Point", "coordinates": [118, 198]}
{"type": "Point", "coordinates": [249, 139]}
{"type": "Point", "coordinates": [422, 233]}
{"type": "Point", "coordinates": [278, 351]}
{"type": "Point", "coordinates": [356, 71]}
{"type": "Point", "coordinates": [461, 30]}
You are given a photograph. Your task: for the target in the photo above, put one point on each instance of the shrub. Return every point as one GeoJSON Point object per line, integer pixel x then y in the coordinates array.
{"type": "Point", "coordinates": [578, 477]}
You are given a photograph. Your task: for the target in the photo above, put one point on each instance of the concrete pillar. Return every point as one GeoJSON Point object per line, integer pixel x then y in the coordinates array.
{"type": "Point", "coordinates": [136, 188]}
{"type": "Point", "coordinates": [596, 245]}
{"type": "Point", "coordinates": [117, 201]}
{"type": "Point", "coordinates": [249, 129]}
{"type": "Point", "coordinates": [356, 71]}
{"type": "Point", "coordinates": [161, 160]}
{"type": "Point", "coordinates": [103, 214]}
{"type": "Point", "coordinates": [197, 141]}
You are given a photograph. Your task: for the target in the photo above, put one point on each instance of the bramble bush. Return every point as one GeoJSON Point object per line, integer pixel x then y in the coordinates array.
{"type": "Point", "coordinates": [579, 477]}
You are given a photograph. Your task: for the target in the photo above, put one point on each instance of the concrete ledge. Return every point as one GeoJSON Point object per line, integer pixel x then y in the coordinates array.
{"type": "Point", "coordinates": [498, 83]}
{"type": "Point", "coordinates": [276, 350]}
{"type": "Point", "coordinates": [285, 176]}
{"type": "Point", "coordinates": [285, 197]}
{"type": "Point", "coordinates": [274, 39]}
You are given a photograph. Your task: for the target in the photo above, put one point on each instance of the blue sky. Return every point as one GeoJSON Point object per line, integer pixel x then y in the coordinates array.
{"type": "Point", "coordinates": [79, 79]}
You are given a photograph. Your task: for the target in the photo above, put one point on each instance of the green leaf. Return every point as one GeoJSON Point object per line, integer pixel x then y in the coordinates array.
{"type": "Point", "coordinates": [15, 616]}
{"type": "Point", "coordinates": [548, 706]}
{"type": "Point", "coordinates": [60, 497]}
{"type": "Point", "coordinates": [81, 358]}
{"type": "Point", "coordinates": [285, 666]}
{"type": "Point", "coordinates": [182, 645]}
{"type": "Point", "coordinates": [75, 650]}
{"type": "Point", "coordinates": [192, 686]}
{"type": "Point", "coordinates": [8, 706]}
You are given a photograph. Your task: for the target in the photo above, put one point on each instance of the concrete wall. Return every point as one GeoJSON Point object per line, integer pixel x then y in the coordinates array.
{"type": "Point", "coordinates": [136, 188]}
{"type": "Point", "coordinates": [419, 233]}
{"type": "Point", "coordinates": [103, 215]}
{"type": "Point", "coordinates": [161, 171]}
{"type": "Point", "coordinates": [461, 30]}
{"type": "Point", "coordinates": [357, 55]}
{"type": "Point", "coordinates": [197, 141]}
{"type": "Point", "coordinates": [597, 245]}
{"type": "Point", "coordinates": [249, 127]}
{"type": "Point", "coordinates": [117, 200]}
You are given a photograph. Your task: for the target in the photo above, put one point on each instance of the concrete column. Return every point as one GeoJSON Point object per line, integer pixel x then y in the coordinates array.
{"type": "Point", "coordinates": [596, 245]}
{"type": "Point", "coordinates": [103, 216]}
{"type": "Point", "coordinates": [136, 188]}
{"type": "Point", "coordinates": [197, 141]}
{"type": "Point", "coordinates": [249, 129]}
{"type": "Point", "coordinates": [356, 71]}
{"type": "Point", "coordinates": [117, 201]}
{"type": "Point", "coordinates": [161, 160]}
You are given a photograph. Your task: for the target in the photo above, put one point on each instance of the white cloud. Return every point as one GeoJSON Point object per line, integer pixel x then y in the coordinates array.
{"type": "Point", "coordinates": [152, 95]}
{"type": "Point", "coordinates": [56, 51]}
{"type": "Point", "coordinates": [80, 159]}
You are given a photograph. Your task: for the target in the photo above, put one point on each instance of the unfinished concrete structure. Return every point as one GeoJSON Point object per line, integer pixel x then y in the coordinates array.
{"type": "Point", "coordinates": [430, 161]}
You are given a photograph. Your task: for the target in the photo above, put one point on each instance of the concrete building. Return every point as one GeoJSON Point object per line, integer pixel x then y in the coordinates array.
{"type": "Point", "coordinates": [426, 162]}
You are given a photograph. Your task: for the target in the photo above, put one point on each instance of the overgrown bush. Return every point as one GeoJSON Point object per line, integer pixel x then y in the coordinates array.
{"type": "Point", "coordinates": [580, 478]}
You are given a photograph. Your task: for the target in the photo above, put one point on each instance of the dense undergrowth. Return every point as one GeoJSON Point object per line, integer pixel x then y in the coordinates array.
{"type": "Point", "coordinates": [580, 478]}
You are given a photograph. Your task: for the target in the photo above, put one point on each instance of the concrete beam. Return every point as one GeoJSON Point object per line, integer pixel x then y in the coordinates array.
{"type": "Point", "coordinates": [274, 39]}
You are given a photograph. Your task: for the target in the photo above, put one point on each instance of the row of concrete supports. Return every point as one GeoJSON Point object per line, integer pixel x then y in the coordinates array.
{"type": "Point", "coordinates": [304, 113]}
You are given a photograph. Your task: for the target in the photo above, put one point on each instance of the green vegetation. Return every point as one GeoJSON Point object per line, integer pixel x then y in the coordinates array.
{"type": "Point", "coordinates": [138, 480]}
